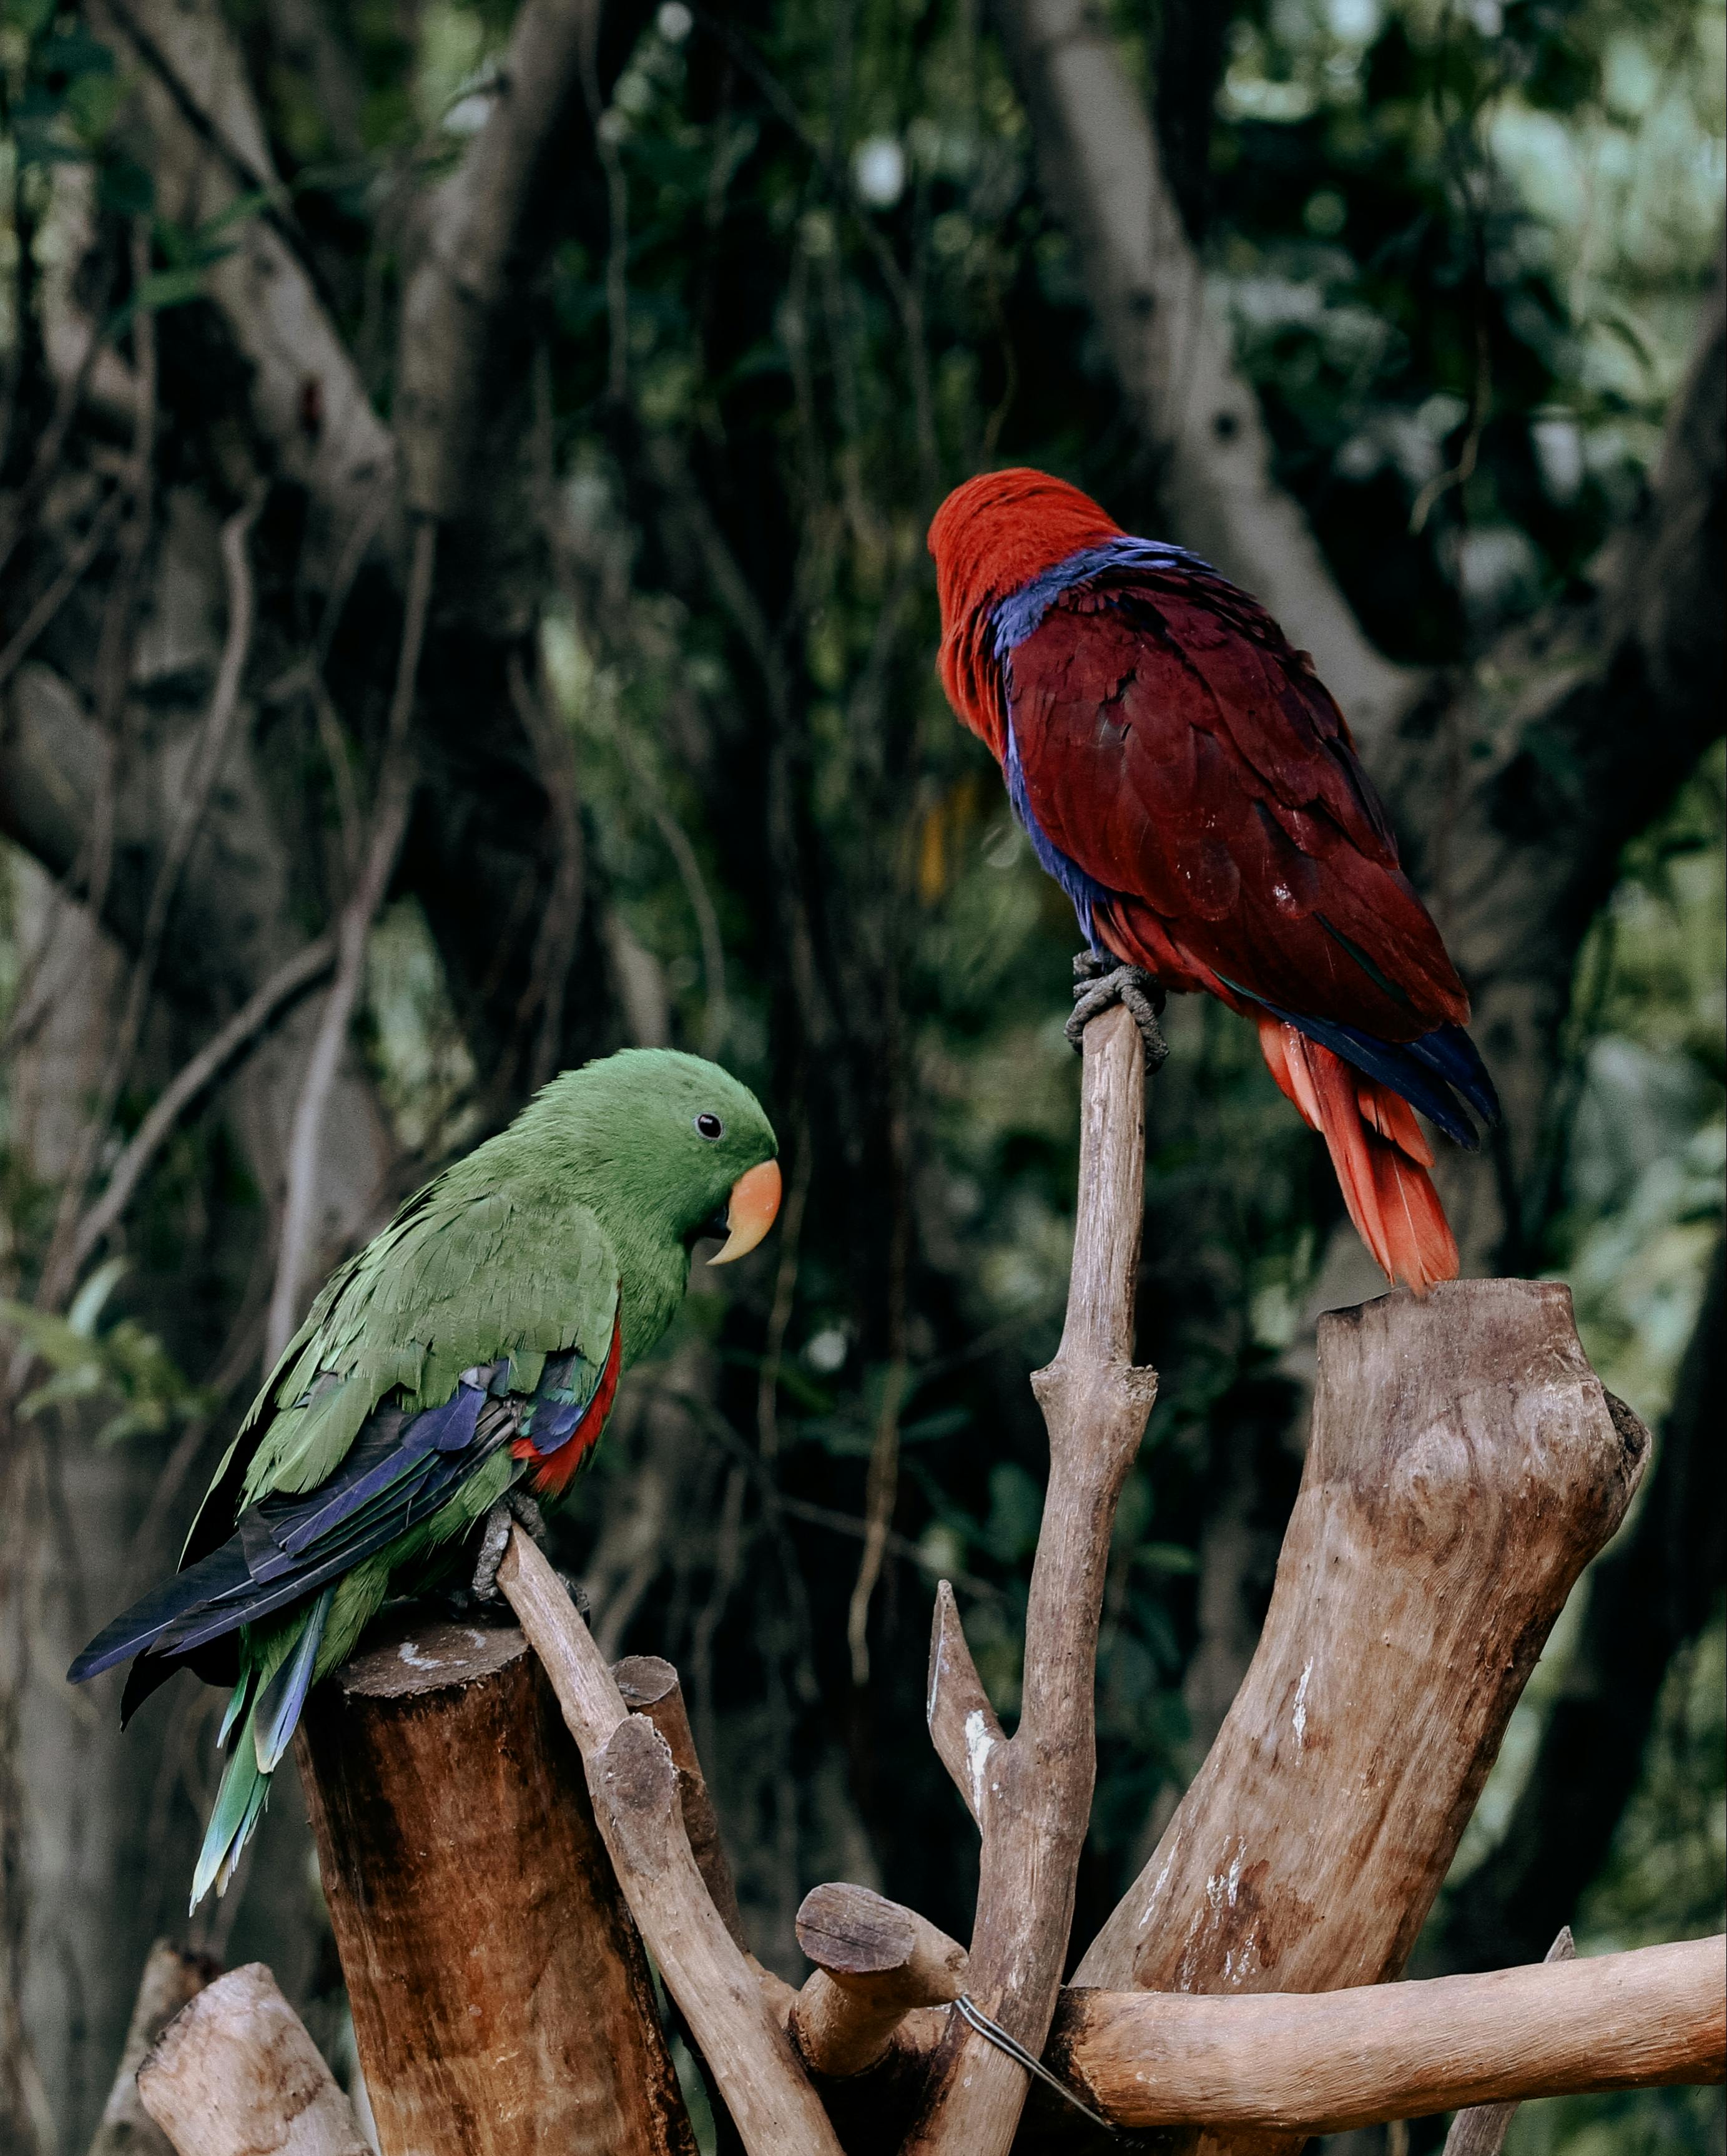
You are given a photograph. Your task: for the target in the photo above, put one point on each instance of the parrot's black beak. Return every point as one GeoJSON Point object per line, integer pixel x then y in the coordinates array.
{"type": "Point", "coordinates": [714, 1229]}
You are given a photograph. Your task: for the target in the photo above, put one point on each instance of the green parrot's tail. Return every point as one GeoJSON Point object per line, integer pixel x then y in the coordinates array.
{"type": "Point", "coordinates": [239, 1802]}
{"type": "Point", "coordinates": [270, 1715]}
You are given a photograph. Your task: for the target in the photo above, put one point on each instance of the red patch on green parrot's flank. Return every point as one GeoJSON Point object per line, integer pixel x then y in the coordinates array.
{"type": "Point", "coordinates": [552, 1475]}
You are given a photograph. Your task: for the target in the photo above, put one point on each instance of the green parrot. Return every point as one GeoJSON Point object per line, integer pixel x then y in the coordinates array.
{"type": "Point", "coordinates": [456, 1371]}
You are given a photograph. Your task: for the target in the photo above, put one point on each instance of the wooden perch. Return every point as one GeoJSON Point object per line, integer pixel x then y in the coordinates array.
{"type": "Point", "coordinates": [1031, 1793]}
{"type": "Point", "coordinates": [875, 1963]}
{"type": "Point", "coordinates": [236, 2073]}
{"type": "Point", "coordinates": [1480, 2129]}
{"type": "Point", "coordinates": [1464, 1466]}
{"type": "Point", "coordinates": [171, 1979]}
{"type": "Point", "coordinates": [501, 1996]}
{"type": "Point", "coordinates": [1322, 2063]}
{"type": "Point", "coordinates": [650, 1685]}
{"type": "Point", "coordinates": [634, 1783]}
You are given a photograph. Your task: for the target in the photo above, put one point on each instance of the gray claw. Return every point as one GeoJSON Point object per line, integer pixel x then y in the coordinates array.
{"type": "Point", "coordinates": [1097, 985]}
{"type": "Point", "coordinates": [514, 1506]}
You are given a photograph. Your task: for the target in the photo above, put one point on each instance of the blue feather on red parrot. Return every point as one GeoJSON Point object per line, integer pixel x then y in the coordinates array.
{"type": "Point", "coordinates": [1186, 777]}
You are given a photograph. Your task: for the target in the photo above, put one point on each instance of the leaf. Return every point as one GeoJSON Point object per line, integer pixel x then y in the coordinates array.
{"type": "Point", "coordinates": [87, 1304]}
{"type": "Point", "coordinates": [1166, 1556]}
{"type": "Point", "coordinates": [169, 288]}
{"type": "Point", "coordinates": [127, 188]}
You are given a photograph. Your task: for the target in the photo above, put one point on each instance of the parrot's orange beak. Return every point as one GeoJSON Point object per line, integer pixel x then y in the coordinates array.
{"type": "Point", "coordinates": [749, 1211]}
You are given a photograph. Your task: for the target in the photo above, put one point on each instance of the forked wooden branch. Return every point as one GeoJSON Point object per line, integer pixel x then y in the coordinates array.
{"type": "Point", "coordinates": [1325, 2062]}
{"type": "Point", "coordinates": [1031, 1793]}
{"type": "Point", "coordinates": [236, 2072]}
{"type": "Point", "coordinates": [499, 1993]}
{"type": "Point", "coordinates": [634, 1781]}
{"type": "Point", "coordinates": [1464, 1466]}
{"type": "Point", "coordinates": [875, 1963]}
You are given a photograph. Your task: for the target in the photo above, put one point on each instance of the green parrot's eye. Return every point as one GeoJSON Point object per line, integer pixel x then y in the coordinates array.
{"type": "Point", "coordinates": [710, 1126]}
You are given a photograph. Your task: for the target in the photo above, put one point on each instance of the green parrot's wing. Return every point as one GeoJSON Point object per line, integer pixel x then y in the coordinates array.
{"type": "Point", "coordinates": [462, 1276]}
{"type": "Point", "coordinates": [413, 1479]}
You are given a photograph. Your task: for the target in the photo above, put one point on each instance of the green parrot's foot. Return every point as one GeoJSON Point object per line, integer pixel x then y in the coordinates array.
{"type": "Point", "coordinates": [514, 1507]}
{"type": "Point", "coordinates": [1098, 983]}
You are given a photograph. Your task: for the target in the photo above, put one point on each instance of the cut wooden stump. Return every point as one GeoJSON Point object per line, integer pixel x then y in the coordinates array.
{"type": "Point", "coordinates": [1464, 1466]}
{"type": "Point", "coordinates": [875, 1963]}
{"type": "Point", "coordinates": [502, 2002]}
{"type": "Point", "coordinates": [1325, 2062]}
{"type": "Point", "coordinates": [172, 1977]}
{"type": "Point", "coordinates": [235, 2074]}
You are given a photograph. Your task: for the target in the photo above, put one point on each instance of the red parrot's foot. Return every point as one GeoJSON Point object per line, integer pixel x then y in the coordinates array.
{"type": "Point", "coordinates": [1098, 983]}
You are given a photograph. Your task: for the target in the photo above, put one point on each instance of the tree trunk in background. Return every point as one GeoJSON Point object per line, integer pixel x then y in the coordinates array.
{"type": "Point", "coordinates": [1543, 763]}
{"type": "Point", "coordinates": [1171, 347]}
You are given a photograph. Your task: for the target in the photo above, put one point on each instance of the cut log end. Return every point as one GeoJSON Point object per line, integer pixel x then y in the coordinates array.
{"type": "Point", "coordinates": [877, 1962]}
{"type": "Point", "coordinates": [237, 2072]}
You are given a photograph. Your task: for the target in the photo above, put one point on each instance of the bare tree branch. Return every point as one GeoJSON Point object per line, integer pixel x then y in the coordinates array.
{"type": "Point", "coordinates": [389, 821]}
{"type": "Point", "coordinates": [267, 296]}
{"type": "Point", "coordinates": [59, 1268]}
{"type": "Point", "coordinates": [1653, 1593]}
{"type": "Point", "coordinates": [633, 1780]}
{"type": "Point", "coordinates": [1171, 345]}
{"type": "Point", "coordinates": [1258, 2069]}
{"type": "Point", "coordinates": [1479, 2130]}
{"type": "Point", "coordinates": [1464, 1466]}
{"type": "Point", "coordinates": [1031, 1793]}
{"type": "Point", "coordinates": [304, 967]}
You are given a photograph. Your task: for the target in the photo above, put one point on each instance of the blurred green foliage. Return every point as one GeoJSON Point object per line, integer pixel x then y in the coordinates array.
{"type": "Point", "coordinates": [120, 1370]}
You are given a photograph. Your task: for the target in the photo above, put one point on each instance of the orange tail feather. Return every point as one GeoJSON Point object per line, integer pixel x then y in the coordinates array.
{"type": "Point", "coordinates": [1379, 1152]}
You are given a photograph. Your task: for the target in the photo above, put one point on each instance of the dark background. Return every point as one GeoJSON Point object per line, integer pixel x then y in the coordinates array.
{"type": "Point", "coordinates": [674, 337]}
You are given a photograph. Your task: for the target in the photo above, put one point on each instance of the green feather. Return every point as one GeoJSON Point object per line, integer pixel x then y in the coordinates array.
{"type": "Point", "coordinates": [238, 1802]}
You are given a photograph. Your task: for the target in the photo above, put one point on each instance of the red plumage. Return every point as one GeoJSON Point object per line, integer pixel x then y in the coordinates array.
{"type": "Point", "coordinates": [553, 1470]}
{"type": "Point", "coordinates": [1190, 766]}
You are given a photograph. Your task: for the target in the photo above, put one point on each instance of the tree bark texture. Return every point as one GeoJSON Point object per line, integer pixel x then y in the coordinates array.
{"type": "Point", "coordinates": [1464, 1466]}
{"type": "Point", "coordinates": [1479, 2130]}
{"type": "Point", "coordinates": [1325, 2062]}
{"type": "Point", "coordinates": [1646, 1598]}
{"type": "Point", "coordinates": [502, 2001]}
{"type": "Point", "coordinates": [237, 2075]}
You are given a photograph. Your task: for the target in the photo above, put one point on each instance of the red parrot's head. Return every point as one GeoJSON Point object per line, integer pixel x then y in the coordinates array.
{"type": "Point", "coordinates": [989, 537]}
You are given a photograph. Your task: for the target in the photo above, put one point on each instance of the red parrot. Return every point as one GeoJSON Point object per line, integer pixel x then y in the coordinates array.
{"type": "Point", "coordinates": [1186, 777]}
